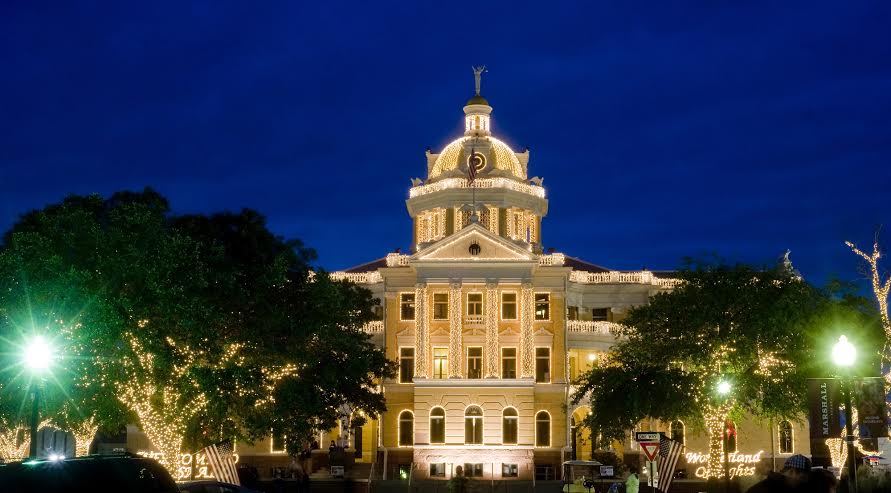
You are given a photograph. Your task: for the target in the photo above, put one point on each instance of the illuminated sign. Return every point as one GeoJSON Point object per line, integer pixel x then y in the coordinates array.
{"type": "Point", "coordinates": [186, 462]}
{"type": "Point", "coordinates": [740, 464]}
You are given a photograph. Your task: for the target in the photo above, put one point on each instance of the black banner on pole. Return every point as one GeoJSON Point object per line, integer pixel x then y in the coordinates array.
{"type": "Point", "coordinates": [869, 397]}
{"type": "Point", "coordinates": [823, 402]}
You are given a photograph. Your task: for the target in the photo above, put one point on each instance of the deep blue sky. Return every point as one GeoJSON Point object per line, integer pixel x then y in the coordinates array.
{"type": "Point", "coordinates": [662, 130]}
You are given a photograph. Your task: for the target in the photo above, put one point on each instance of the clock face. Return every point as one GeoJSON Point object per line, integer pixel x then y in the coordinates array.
{"type": "Point", "coordinates": [477, 160]}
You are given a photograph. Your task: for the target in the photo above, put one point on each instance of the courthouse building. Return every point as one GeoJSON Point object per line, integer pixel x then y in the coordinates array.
{"type": "Point", "coordinates": [489, 331]}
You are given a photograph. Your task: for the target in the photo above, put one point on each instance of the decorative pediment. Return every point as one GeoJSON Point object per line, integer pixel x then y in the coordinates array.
{"type": "Point", "coordinates": [439, 332]}
{"type": "Point", "coordinates": [406, 332]}
{"type": "Point", "coordinates": [474, 243]}
{"type": "Point", "coordinates": [543, 332]}
{"type": "Point", "coordinates": [509, 331]}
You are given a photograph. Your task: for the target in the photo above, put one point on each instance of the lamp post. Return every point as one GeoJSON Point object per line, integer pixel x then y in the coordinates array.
{"type": "Point", "coordinates": [37, 358]}
{"type": "Point", "coordinates": [843, 355]}
{"type": "Point", "coordinates": [724, 389]}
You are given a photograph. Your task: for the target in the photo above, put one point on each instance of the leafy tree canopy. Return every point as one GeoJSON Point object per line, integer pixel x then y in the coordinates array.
{"type": "Point", "coordinates": [763, 330]}
{"type": "Point", "coordinates": [198, 327]}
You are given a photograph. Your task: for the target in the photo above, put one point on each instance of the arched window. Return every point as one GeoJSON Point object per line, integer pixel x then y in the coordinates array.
{"type": "Point", "coordinates": [542, 429]}
{"type": "Point", "coordinates": [473, 425]}
{"type": "Point", "coordinates": [437, 425]}
{"type": "Point", "coordinates": [786, 438]}
{"type": "Point", "coordinates": [509, 426]}
{"type": "Point", "coordinates": [676, 431]}
{"type": "Point", "coordinates": [406, 428]}
{"type": "Point", "coordinates": [730, 430]}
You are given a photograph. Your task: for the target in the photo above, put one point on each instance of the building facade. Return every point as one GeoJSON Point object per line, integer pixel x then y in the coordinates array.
{"type": "Point", "coordinates": [489, 331]}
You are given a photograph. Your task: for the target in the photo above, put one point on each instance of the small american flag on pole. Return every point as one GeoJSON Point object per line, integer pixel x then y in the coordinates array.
{"type": "Point", "coordinates": [222, 462]}
{"type": "Point", "coordinates": [471, 166]}
{"type": "Point", "coordinates": [669, 452]}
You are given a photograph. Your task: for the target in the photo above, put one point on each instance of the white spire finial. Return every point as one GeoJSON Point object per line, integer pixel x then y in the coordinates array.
{"type": "Point", "coordinates": [477, 75]}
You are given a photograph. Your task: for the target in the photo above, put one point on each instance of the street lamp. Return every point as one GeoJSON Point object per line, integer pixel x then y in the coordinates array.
{"type": "Point", "coordinates": [37, 358]}
{"type": "Point", "coordinates": [724, 389]}
{"type": "Point", "coordinates": [844, 354]}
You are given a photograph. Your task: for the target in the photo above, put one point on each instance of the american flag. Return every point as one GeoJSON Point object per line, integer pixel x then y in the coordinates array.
{"type": "Point", "coordinates": [222, 462]}
{"type": "Point", "coordinates": [471, 167]}
{"type": "Point", "coordinates": [669, 452]}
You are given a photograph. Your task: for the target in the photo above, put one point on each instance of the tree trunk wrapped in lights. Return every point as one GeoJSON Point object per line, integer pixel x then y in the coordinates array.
{"type": "Point", "coordinates": [880, 289]}
{"type": "Point", "coordinates": [716, 427]}
{"type": "Point", "coordinates": [10, 448]}
{"type": "Point", "coordinates": [84, 434]}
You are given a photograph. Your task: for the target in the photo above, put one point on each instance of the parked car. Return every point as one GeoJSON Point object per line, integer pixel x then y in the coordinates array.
{"type": "Point", "coordinates": [211, 486]}
{"type": "Point", "coordinates": [90, 474]}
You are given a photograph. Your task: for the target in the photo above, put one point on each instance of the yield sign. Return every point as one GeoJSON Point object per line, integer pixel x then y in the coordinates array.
{"type": "Point", "coordinates": [650, 449]}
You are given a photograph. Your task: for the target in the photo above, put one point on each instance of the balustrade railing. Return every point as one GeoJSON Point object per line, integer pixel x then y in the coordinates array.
{"type": "Point", "coordinates": [553, 259]}
{"type": "Point", "coordinates": [600, 327]}
{"type": "Point", "coordinates": [448, 183]}
{"type": "Point", "coordinates": [358, 277]}
{"type": "Point", "coordinates": [617, 277]}
{"type": "Point", "coordinates": [397, 260]}
{"type": "Point", "coordinates": [374, 327]}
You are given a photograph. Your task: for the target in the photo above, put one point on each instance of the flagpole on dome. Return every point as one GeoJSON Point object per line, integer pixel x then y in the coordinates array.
{"type": "Point", "coordinates": [471, 177]}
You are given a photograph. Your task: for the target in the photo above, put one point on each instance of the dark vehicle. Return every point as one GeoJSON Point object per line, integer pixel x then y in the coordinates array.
{"type": "Point", "coordinates": [91, 474]}
{"type": "Point", "coordinates": [211, 486]}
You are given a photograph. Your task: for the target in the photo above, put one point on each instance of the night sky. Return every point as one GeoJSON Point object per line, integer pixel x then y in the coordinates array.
{"type": "Point", "coordinates": [662, 130]}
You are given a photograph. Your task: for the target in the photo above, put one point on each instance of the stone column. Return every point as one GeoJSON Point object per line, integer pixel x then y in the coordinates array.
{"type": "Point", "coordinates": [456, 345]}
{"type": "Point", "coordinates": [422, 329]}
{"type": "Point", "coordinates": [527, 340]}
{"type": "Point", "coordinates": [493, 358]}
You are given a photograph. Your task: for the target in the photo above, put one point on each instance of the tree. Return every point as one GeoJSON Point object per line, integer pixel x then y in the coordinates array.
{"type": "Point", "coordinates": [880, 288]}
{"type": "Point", "coordinates": [760, 330]}
{"type": "Point", "coordinates": [189, 325]}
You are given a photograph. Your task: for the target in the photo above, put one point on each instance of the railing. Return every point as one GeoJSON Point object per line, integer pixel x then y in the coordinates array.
{"type": "Point", "coordinates": [358, 277]}
{"type": "Point", "coordinates": [448, 183]}
{"type": "Point", "coordinates": [554, 259]}
{"type": "Point", "coordinates": [374, 327]}
{"type": "Point", "coordinates": [616, 277]}
{"type": "Point", "coordinates": [600, 327]}
{"type": "Point", "coordinates": [397, 260]}
{"type": "Point", "coordinates": [473, 320]}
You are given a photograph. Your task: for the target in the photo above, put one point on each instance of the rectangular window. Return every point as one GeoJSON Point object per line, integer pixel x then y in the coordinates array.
{"type": "Point", "coordinates": [508, 306]}
{"type": "Point", "coordinates": [437, 470]}
{"type": "Point", "coordinates": [440, 306]}
{"type": "Point", "coordinates": [510, 471]}
{"type": "Point", "coordinates": [509, 362]}
{"type": "Point", "coordinates": [542, 365]}
{"type": "Point", "coordinates": [406, 364]}
{"type": "Point", "coordinates": [440, 362]}
{"type": "Point", "coordinates": [542, 306]}
{"type": "Point", "coordinates": [601, 314]}
{"type": "Point", "coordinates": [407, 306]}
{"type": "Point", "coordinates": [474, 304]}
{"type": "Point", "coordinates": [544, 473]}
{"type": "Point", "coordinates": [278, 442]}
{"type": "Point", "coordinates": [378, 311]}
{"type": "Point", "coordinates": [473, 470]}
{"type": "Point", "coordinates": [573, 315]}
{"type": "Point", "coordinates": [474, 362]}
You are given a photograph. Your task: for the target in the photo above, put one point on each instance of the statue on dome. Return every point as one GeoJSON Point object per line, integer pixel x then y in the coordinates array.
{"type": "Point", "coordinates": [477, 75]}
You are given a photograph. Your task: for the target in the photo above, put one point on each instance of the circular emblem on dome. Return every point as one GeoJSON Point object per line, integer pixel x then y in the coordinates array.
{"type": "Point", "coordinates": [474, 249]}
{"type": "Point", "coordinates": [477, 161]}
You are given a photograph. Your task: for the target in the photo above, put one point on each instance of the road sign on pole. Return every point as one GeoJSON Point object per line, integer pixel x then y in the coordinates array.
{"type": "Point", "coordinates": [649, 443]}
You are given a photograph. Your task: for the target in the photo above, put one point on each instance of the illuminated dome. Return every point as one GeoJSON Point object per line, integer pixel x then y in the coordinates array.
{"type": "Point", "coordinates": [499, 159]}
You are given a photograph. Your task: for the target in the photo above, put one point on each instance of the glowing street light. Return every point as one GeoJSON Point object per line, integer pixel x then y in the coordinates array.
{"type": "Point", "coordinates": [38, 354]}
{"type": "Point", "coordinates": [843, 355]}
{"type": "Point", "coordinates": [724, 387]}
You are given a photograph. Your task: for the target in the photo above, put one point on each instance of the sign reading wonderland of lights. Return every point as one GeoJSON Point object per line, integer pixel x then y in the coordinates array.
{"type": "Point", "coordinates": [186, 461]}
{"type": "Point", "coordinates": [740, 464]}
